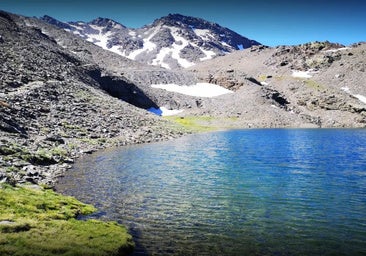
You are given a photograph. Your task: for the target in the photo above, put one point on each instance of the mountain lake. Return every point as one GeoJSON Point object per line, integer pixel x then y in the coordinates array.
{"type": "Point", "coordinates": [235, 192]}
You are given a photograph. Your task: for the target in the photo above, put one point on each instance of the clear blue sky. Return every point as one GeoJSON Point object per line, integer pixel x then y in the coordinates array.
{"type": "Point", "coordinates": [269, 22]}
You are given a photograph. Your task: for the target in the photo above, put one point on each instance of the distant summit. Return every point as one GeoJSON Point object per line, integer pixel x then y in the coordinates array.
{"type": "Point", "coordinates": [172, 41]}
{"type": "Point", "coordinates": [55, 22]}
{"type": "Point", "coordinates": [219, 35]}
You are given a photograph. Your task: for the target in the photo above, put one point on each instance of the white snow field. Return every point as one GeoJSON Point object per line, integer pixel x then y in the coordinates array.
{"type": "Point", "coordinates": [303, 74]}
{"type": "Point", "coordinates": [163, 111]}
{"type": "Point", "coordinates": [199, 90]}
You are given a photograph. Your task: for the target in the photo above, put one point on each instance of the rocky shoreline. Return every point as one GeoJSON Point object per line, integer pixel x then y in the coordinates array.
{"type": "Point", "coordinates": [43, 129]}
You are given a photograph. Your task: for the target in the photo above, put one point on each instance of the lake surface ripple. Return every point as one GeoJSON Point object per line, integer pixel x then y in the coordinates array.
{"type": "Point", "coordinates": [238, 192]}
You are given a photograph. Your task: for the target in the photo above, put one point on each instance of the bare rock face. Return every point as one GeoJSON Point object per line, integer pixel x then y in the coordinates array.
{"type": "Point", "coordinates": [306, 56]}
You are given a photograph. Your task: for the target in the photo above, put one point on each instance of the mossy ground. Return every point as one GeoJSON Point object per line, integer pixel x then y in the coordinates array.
{"type": "Point", "coordinates": [313, 84]}
{"type": "Point", "coordinates": [42, 222]}
{"type": "Point", "coordinates": [203, 123]}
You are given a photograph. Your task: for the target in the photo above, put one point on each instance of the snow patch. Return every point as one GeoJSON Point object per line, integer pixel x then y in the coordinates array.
{"type": "Point", "coordinates": [99, 38]}
{"type": "Point", "coordinates": [26, 22]}
{"type": "Point", "coordinates": [118, 26]}
{"type": "Point", "coordinates": [159, 60]}
{"type": "Point", "coordinates": [148, 46]}
{"type": "Point", "coordinates": [209, 55]}
{"type": "Point", "coordinates": [116, 49]}
{"type": "Point", "coordinates": [346, 89]}
{"type": "Point", "coordinates": [95, 27]}
{"type": "Point", "coordinates": [358, 96]}
{"type": "Point", "coordinates": [198, 90]}
{"type": "Point", "coordinates": [177, 48]}
{"type": "Point", "coordinates": [174, 51]}
{"type": "Point", "coordinates": [203, 33]}
{"type": "Point", "coordinates": [74, 26]}
{"type": "Point", "coordinates": [303, 74]}
{"type": "Point", "coordinates": [339, 49]}
{"type": "Point", "coordinates": [77, 32]}
{"type": "Point", "coordinates": [240, 46]}
{"type": "Point", "coordinates": [163, 111]}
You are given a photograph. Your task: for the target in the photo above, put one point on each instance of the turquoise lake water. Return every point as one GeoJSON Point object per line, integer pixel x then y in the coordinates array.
{"type": "Point", "coordinates": [238, 192]}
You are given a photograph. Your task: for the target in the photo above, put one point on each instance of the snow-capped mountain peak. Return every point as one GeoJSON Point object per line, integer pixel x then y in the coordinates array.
{"type": "Point", "coordinates": [107, 25]}
{"type": "Point", "coordinates": [171, 42]}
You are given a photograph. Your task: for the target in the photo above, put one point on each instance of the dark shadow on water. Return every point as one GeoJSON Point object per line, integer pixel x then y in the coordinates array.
{"type": "Point", "coordinates": [139, 250]}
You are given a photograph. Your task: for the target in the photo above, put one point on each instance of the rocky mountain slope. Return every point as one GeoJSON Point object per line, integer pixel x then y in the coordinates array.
{"type": "Point", "coordinates": [118, 67]}
{"type": "Point", "coordinates": [55, 105]}
{"type": "Point", "coordinates": [170, 42]}
{"type": "Point", "coordinates": [316, 84]}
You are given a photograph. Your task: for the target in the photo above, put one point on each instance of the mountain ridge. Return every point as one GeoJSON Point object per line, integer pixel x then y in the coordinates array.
{"type": "Point", "coordinates": [172, 41]}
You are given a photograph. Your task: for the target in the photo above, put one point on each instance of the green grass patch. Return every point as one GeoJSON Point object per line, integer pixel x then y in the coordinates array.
{"type": "Point", "coordinates": [314, 85]}
{"type": "Point", "coordinates": [202, 123]}
{"type": "Point", "coordinates": [12, 169]}
{"type": "Point", "coordinates": [59, 151]}
{"type": "Point", "coordinates": [193, 123]}
{"type": "Point", "coordinates": [42, 222]}
{"type": "Point", "coordinates": [94, 142]}
{"type": "Point", "coordinates": [11, 149]}
{"type": "Point", "coordinates": [262, 78]}
{"type": "Point", "coordinates": [75, 128]}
